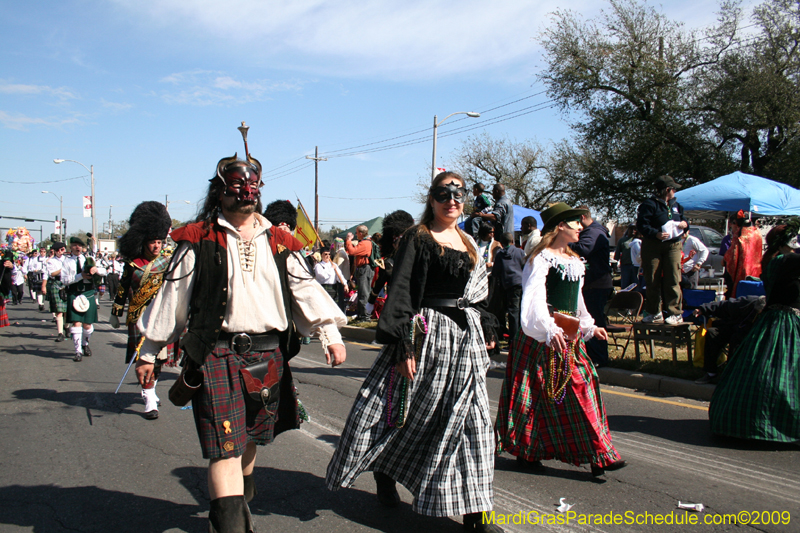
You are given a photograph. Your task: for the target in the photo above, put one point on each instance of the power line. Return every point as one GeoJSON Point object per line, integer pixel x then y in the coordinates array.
{"type": "Point", "coordinates": [35, 182]}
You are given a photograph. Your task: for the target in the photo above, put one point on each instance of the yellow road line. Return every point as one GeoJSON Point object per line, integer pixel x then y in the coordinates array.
{"type": "Point", "coordinates": [605, 390]}
{"type": "Point", "coordinates": [373, 346]}
{"type": "Point", "coordinates": [659, 400]}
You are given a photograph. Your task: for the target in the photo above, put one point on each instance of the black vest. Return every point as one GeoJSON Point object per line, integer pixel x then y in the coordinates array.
{"type": "Point", "coordinates": [210, 299]}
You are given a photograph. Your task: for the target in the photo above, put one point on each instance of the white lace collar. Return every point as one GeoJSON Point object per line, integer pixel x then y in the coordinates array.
{"type": "Point", "coordinates": [572, 267]}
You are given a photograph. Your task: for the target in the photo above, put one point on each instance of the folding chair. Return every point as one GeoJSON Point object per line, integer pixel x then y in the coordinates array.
{"type": "Point", "coordinates": [623, 311]}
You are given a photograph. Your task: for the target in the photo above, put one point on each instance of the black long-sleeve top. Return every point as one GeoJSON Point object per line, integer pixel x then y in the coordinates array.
{"type": "Point", "coordinates": [654, 213]}
{"type": "Point", "coordinates": [425, 269]}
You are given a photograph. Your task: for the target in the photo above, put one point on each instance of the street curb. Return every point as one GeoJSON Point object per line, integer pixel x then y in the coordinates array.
{"type": "Point", "coordinates": [655, 383]}
{"type": "Point", "coordinates": [608, 376]}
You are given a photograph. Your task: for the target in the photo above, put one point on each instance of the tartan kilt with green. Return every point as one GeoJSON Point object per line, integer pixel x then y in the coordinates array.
{"type": "Point", "coordinates": [221, 401]}
{"type": "Point", "coordinates": [533, 426]}
{"type": "Point", "coordinates": [758, 396]}
{"type": "Point", "coordinates": [87, 317]}
{"type": "Point", "coordinates": [57, 304]}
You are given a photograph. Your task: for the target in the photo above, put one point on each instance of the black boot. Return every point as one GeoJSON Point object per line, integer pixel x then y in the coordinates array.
{"type": "Point", "coordinates": [387, 490]}
{"type": "Point", "coordinates": [474, 522]}
{"type": "Point", "coordinates": [230, 515]}
{"type": "Point", "coordinates": [250, 490]}
{"type": "Point", "coordinates": [598, 471]}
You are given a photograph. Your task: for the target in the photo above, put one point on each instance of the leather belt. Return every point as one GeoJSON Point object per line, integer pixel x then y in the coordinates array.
{"type": "Point", "coordinates": [458, 303]}
{"type": "Point", "coordinates": [246, 342]}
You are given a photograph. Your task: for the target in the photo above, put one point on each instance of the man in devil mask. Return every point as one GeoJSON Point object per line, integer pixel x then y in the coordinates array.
{"type": "Point", "coordinates": [236, 284]}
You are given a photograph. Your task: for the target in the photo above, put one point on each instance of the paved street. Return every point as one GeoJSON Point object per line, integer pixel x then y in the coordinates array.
{"type": "Point", "coordinates": [77, 457]}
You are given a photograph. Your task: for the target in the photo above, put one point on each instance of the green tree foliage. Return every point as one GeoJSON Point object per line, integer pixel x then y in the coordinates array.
{"type": "Point", "coordinates": [631, 76]}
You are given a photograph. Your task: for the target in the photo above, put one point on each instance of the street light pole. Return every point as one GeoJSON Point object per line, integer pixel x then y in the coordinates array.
{"type": "Point", "coordinates": [436, 125]}
{"type": "Point", "coordinates": [60, 215]}
{"type": "Point", "coordinates": [91, 172]}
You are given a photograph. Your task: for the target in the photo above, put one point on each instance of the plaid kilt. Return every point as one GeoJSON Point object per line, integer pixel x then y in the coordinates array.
{"type": "Point", "coordinates": [221, 401]}
{"type": "Point", "coordinates": [87, 317]}
{"type": "Point", "coordinates": [531, 426]}
{"type": "Point", "coordinates": [3, 313]}
{"type": "Point", "coordinates": [758, 396]}
{"type": "Point", "coordinates": [57, 305]}
{"type": "Point", "coordinates": [444, 453]}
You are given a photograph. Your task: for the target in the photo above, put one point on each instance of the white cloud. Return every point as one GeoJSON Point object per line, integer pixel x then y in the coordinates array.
{"type": "Point", "coordinates": [411, 39]}
{"type": "Point", "coordinates": [206, 87]}
{"type": "Point", "coordinates": [115, 106]}
{"type": "Point", "coordinates": [23, 89]}
{"type": "Point", "coordinates": [23, 122]}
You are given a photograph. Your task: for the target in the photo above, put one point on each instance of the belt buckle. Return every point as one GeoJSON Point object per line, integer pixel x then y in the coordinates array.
{"type": "Point", "coordinates": [238, 343]}
{"type": "Point", "coordinates": [462, 303]}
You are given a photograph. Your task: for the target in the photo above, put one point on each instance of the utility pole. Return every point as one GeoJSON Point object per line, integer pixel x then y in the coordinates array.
{"type": "Point", "coordinates": [316, 159]}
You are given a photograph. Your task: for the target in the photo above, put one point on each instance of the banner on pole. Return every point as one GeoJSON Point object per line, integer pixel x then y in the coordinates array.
{"type": "Point", "coordinates": [57, 226]}
{"type": "Point", "coordinates": [87, 207]}
{"type": "Point", "coordinates": [304, 231]}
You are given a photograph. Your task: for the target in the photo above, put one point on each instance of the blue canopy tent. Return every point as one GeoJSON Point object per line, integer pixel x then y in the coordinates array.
{"type": "Point", "coordinates": [520, 213]}
{"type": "Point", "coordinates": [739, 191]}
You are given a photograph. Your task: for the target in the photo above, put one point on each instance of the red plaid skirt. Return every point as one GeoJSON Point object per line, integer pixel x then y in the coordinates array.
{"type": "Point", "coordinates": [223, 424]}
{"type": "Point", "coordinates": [3, 314]}
{"type": "Point", "coordinates": [532, 426]}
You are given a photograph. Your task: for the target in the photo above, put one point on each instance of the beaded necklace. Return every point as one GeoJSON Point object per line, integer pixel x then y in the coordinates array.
{"type": "Point", "coordinates": [417, 322]}
{"type": "Point", "coordinates": [558, 371]}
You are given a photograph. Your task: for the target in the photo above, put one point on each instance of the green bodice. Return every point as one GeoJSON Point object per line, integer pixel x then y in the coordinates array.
{"type": "Point", "coordinates": [562, 293]}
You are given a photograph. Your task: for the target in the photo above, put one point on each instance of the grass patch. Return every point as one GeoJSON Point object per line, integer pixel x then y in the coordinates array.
{"type": "Point", "coordinates": [661, 364]}
{"type": "Point", "coordinates": [366, 324]}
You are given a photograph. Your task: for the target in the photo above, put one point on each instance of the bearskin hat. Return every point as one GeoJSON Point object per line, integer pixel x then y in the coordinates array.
{"type": "Point", "coordinates": [149, 221]}
{"type": "Point", "coordinates": [394, 225]}
{"type": "Point", "coordinates": [281, 211]}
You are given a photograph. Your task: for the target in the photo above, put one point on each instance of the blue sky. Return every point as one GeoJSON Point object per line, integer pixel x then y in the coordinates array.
{"type": "Point", "coordinates": [151, 93]}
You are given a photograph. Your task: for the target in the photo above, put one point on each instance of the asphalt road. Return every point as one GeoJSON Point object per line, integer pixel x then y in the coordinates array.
{"type": "Point", "coordinates": [77, 457]}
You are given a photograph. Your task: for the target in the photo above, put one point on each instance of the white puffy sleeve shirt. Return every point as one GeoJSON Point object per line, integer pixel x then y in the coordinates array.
{"type": "Point", "coordinates": [535, 318]}
{"type": "Point", "coordinates": [313, 311]}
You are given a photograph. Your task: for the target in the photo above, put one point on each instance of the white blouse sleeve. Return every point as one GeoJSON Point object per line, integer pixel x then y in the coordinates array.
{"type": "Point", "coordinates": [587, 322]}
{"type": "Point", "coordinates": [165, 318]}
{"type": "Point", "coordinates": [313, 311]}
{"type": "Point", "coordinates": [535, 319]}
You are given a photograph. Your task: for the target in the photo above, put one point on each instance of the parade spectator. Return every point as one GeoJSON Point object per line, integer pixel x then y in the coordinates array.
{"type": "Point", "coordinates": [502, 214]}
{"type": "Point", "coordinates": [636, 258]}
{"type": "Point", "coordinates": [441, 447]}
{"type": "Point", "coordinates": [236, 286]}
{"type": "Point", "coordinates": [342, 260]}
{"type": "Point", "coordinates": [530, 234]}
{"type": "Point", "coordinates": [743, 258]}
{"type": "Point", "coordinates": [481, 203]}
{"type": "Point", "coordinates": [758, 395]}
{"type": "Point", "coordinates": [363, 271]}
{"type": "Point", "coordinates": [593, 245]}
{"type": "Point", "coordinates": [487, 245]}
{"type": "Point", "coordinates": [660, 222]}
{"type": "Point", "coordinates": [508, 264]}
{"type": "Point", "coordinates": [328, 275]}
{"type": "Point", "coordinates": [550, 405]}
{"type": "Point", "coordinates": [622, 254]}
{"type": "Point", "coordinates": [146, 263]}
{"type": "Point", "coordinates": [694, 254]}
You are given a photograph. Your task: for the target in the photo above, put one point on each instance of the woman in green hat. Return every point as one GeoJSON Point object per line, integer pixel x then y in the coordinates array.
{"type": "Point", "coordinates": [550, 406]}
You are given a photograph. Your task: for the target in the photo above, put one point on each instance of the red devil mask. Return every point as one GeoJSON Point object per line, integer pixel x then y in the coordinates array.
{"type": "Point", "coordinates": [242, 179]}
